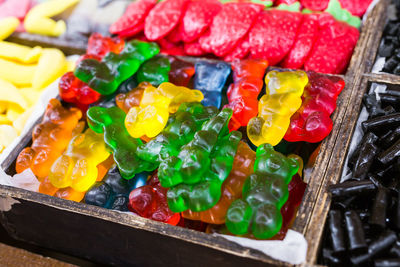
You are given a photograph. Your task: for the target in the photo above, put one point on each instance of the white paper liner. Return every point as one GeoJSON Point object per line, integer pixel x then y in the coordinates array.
{"type": "Point", "coordinates": [358, 132]}
{"type": "Point", "coordinates": [292, 249]}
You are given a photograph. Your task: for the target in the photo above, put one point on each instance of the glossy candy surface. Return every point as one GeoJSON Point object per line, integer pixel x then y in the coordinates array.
{"type": "Point", "coordinates": [281, 101]}
{"type": "Point", "coordinates": [77, 166]}
{"type": "Point", "coordinates": [210, 79]}
{"type": "Point", "coordinates": [106, 75]}
{"type": "Point", "coordinates": [243, 93]}
{"type": "Point", "coordinates": [154, 71]}
{"type": "Point", "coordinates": [264, 194]}
{"type": "Point", "coordinates": [312, 122]}
{"type": "Point", "coordinates": [110, 121]}
{"type": "Point", "coordinates": [49, 139]}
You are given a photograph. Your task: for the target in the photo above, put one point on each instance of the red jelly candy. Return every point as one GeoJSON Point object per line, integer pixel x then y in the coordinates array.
{"type": "Point", "coordinates": [100, 46]}
{"type": "Point", "coordinates": [150, 201]}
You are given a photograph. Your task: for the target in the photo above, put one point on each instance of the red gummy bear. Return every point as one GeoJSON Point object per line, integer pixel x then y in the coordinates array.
{"type": "Point", "coordinates": [312, 122]}
{"type": "Point", "coordinates": [100, 46]}
{"type": "Point", "coordinates": [181, 71]}
{"type": "Point", "coordinates": [150, 201]}
{"type": "Point", "coordinates": [243, 93]}
{"type": "Point", "coordinates": [73, 90]}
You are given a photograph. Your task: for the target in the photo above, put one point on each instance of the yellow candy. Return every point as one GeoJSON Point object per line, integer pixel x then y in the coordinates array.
{"type": "Point", "coordinates": [30, 95]}
{"type": "Point", "coordinates": [17, 74]}
{"type": "Point", "coordinates": [281, 101]}
{"type": "Point", "coordinates": [150, 118]}
{"type": "Point", "coordinates": [7, 135]}
{"type": "Point", "coordinates": [77, 167]}
{"type": "Point", "coordinates": [52, 64]}
{"type": "Point", "coordinates": [19, 123]}
{"type": "Point", "coordinates": [13, 113]}
{"type": "Point", "coordinates": [8, 26]}
{"type": "Point", "coordinates": [10, 96]}
{"type": "Point", "coordinates": [38, 20]}
{"type": "Point", "coordinates": [179, 95]}
{"type": "Point", "coordinates": [4, 119]}
{"type": "Point", "coordinates": [21, 53]}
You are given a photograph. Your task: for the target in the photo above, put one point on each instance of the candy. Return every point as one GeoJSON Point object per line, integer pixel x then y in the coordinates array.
{"type": "Point", "coordinates": [281, 101]}
{"type": "Point", "coordinates": [154, 71]}
{"type": "Point", "coordinates": [264, 194]}
{"type": "Point", "coordinates": [181, 72]}
{"type": "Point", "coordinates": [76, 167]}
{"type": "Point", "coordinates": [38, 20]}
{"type": "Point", "coordinates": [49, 139]}
{"type": "Point", "coordinates": [110, 121]}
{"type": "Point", "coordinates": [106, 76]}
{"type": "Point", "coordinates": [210, 79]}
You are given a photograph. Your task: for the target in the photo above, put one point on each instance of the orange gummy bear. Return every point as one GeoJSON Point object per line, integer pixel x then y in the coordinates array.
{"type": "Point", "coordinates": [49, 139]}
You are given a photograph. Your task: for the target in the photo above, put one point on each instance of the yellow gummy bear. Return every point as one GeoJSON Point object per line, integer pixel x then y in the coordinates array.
{"type": "Point", "coordinates": [7, 135]}
{"type": "Point", "coordinates": [52, 64]}
{"type": "Point", "coordinates": [150, 118]}
{"type": "Point", "coordinates": [77, 167]}
{"type": "Point", "coordinates": [20, 53]}
{"type": "Point", "coordinates": [281, 101]}
{"type": "Point", "coordinates": [38, 20]}
{"type": "Point", "coordinates": [17, 74]}
{"type": "Point", "coordinates": [11, 96]}
{"type": "Point", "coordinates": [8, 26]}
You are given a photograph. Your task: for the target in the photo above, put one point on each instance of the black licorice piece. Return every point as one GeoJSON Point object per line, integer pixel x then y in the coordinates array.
{"type": "Point", "coordinates": [336, 231]}
{"type": "Point", "coordinates": [395, 250]}
{"type": "Point", "coordinates": [329, 258]}
{"type": "Point", "coordinates": [386, 49]}
{"type": "Point", "coordinates": [390, 154]}
{"type": "Point", "coordinates": [387, 263]}
{"type": "Point", "coordinates": [379, 207]}
{"type": "Point", "coordinates": [397, 211]}
{"type": "Point", "coordinates": [387, 141]}
{"type": "Point", "coordinates": [372, 105]}
{"type": "Point", "coordinates": [381, 123]}
{"type": "Point", "coordinates": [389, 99]}
{"type": "Point", "coordinates": [396, 70]}
{"type": "Point", "coordinates": [364, 161]}
{"type": "Point", "coordinates": [355, 231]}
{"type": "Point", "coordinates": [343, 204]}
{"type": "Point", "coordinates": [350, 188]}
{"type": "Point", "coordinates": [390, 64]}
{"type": "Point", "coordinates": [382, 243]}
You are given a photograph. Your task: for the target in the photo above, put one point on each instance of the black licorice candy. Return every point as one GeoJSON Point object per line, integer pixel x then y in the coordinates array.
{"type": "Point", "coordinates": [390, 154]}
{"type": "Point", "coordinates": [350, 188]}
{"type": "Point", "coordinates": [397, 211]}
{"type": "Point", "coordinates": [336, 231]}
{"type": "Point", "coordinates": [379, 207]}
{"type": "Point", "coordinates": [395, 250]}
{"type": "Point", "coordinates": [329, 258]}
{"type": "Point", "coordinates": [387, 262]}
{"type": "Point", "coordinates": [355, 231]}
{"type": "Point", "coordinates": [383, 122]}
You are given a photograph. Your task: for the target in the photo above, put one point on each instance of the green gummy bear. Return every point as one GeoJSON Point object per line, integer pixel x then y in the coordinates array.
{"type": "Point", "coordinates": [264, 194]}
{"type": "Point", "coordinates": [206, 193]}
{"type": "Point", "coordinates": [295, 7]}
{"type": "Point", "coordinates": [179, 131]}
{"type": "Point", "coordinates": [110, 121]}
{"type": "Point", "coordinates": [154, 71]}
{"type": "Point", "coordinates": [106, 75]}
{"type": "Point", "coordinates": [339, 13]}
{"type": "Point", "coordinates": [194, 158]}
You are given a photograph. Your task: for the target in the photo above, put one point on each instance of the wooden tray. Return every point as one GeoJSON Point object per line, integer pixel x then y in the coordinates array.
{"type": "Point", "coordinates": [112, 237]}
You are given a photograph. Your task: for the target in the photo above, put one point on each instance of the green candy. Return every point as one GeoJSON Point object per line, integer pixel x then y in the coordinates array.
{"type": "Point", "coordinates": [154, 71]}
{"type": "Point", "coordinates": [105, 76]}
{"type": "Point", "coordinates": [264, 194]}
{"type": "Point", "coordinates": [110, 121]}
{"type": "Point", "coordinates": [295, 7]}
{"type": "Point", "coordinates": [339, 13]}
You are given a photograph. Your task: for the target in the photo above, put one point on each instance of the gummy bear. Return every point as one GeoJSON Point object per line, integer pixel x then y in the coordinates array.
{"type": "Point", "coordinates": [154, 71]}
{"type": "Point", "coordinates": [105, 76]}
{"type": "Point", "coordinates": [264, 193]}
{"type": "Point", "coordinates": [281, 101]}
{"type": "Point", "coordinates": [243, 93]}
{"type": "Point", "coordinates": [77, 166]}
{"type": "Point", "coordinates": [210, 79]}
{"type": "Point", "coordinates": [150, 118]}
{"type": "Point", "coordinates": [126, 101]}
{"type": "Point", "coordinates": [149, 201]}
{"type": "Point", "coordinates": [181, 71]}
{"type": "Point", "coordinates": [110, 121]}
{"type": "Point", "coordinates": [312, 122]}
{"type": "Point", "coordinates": [49, 139]}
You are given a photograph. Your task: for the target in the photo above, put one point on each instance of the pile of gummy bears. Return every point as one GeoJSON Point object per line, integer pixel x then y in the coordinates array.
{"type": "Point", "coordinates": [131, 135]}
